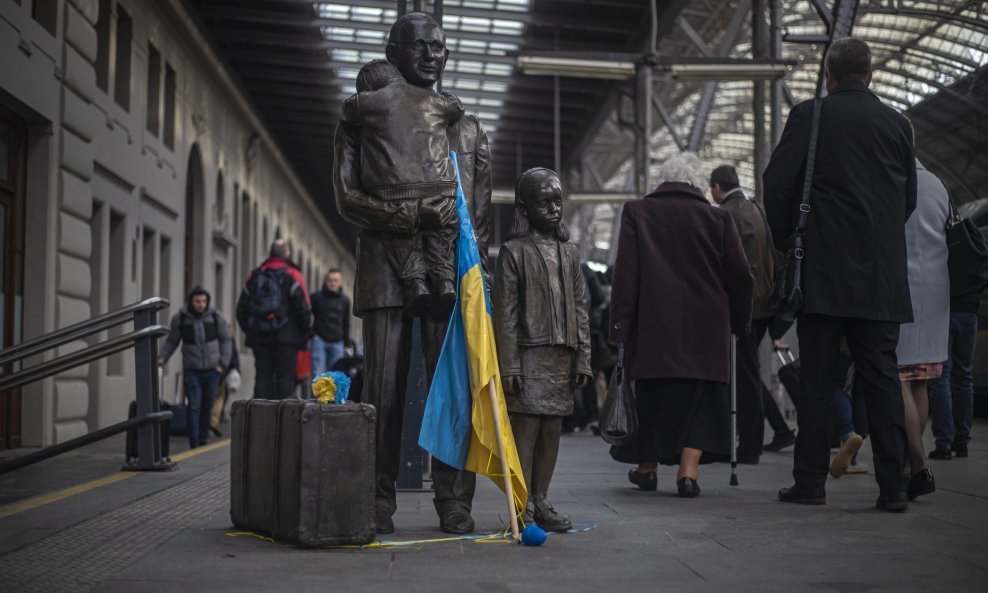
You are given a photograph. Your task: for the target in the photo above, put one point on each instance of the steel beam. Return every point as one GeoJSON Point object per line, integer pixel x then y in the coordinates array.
{"type": "Point", "coordinates": [760, 45]}
{"type": "Point", "coordinates": [843, 22]}
{"type": "Point", "coordinates": [667, 122]}
{"type": "Point", "coordinates": [775, 89]}
{"type": "Point", "coordinates": [693, 36]}
{"type": "Point", "coordinates": [710, 88]}
{"type": "Point", "coordinates": [825, 15]}
{"type": "Point", "coordinates": [643, 129]}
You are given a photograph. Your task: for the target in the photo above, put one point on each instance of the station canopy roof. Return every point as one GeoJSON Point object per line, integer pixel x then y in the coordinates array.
{"type": "Point", "coordinates": [297, 60]}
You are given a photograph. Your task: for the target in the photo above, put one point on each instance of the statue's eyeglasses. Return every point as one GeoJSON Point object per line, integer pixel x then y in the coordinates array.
{"type": "Point", "coordinates": [419, 45]}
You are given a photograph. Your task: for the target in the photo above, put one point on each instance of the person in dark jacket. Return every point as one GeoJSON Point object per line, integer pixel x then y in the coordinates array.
{"type": "Point", "coordinates": [726, 191]}
{"type": "Point", "coordinates": [206, 350]}
{"type": "Point", "coordinates": [377, 294]}
{"type": "Point", "coordinates": [854, 281]}
{"type": "Point", "coordinates": [331, 323]}
{"type": "Point", "coordinates": [277, 335]}
{"type": "Point", "coordinates": [682, 286]}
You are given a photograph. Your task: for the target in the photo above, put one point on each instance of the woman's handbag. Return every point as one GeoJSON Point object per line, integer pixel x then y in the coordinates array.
{"type": "Point", "coordinates": [967, 259]}
{"type": "Point", "coordinates": [619, 416]}
{"type": "Point", "coordinates": [787, 291]}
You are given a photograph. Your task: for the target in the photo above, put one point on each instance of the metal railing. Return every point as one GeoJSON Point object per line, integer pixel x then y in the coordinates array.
{"type": "Point", "coordinates": [143, 339]}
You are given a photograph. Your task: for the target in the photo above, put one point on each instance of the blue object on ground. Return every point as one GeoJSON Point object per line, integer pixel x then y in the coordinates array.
{"type": "Point", "coordinates": [533, 535]}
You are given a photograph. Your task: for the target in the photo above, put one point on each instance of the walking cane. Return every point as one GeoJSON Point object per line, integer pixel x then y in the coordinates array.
{"type": "Point", "coordinates": [734, 412]}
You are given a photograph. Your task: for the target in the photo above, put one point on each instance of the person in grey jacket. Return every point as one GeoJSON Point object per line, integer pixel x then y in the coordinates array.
{"type": "Point", "coordinates": [923, 343]}
{"type": "Point", "coordinates": [206, 351]}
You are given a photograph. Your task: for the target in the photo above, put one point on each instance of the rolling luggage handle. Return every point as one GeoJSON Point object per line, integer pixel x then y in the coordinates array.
{"type": "Point", "coordinates": [782, 352]}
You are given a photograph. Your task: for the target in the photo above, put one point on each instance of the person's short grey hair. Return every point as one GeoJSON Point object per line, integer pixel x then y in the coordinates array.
{"type": "Point", "coordinates": [684, 167]}
{"type": "Point", "coordinates": [849, 58]}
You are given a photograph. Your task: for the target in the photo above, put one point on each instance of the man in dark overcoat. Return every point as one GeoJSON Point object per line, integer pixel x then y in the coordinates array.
{"type": "Point", "coordinates": [416, 46]}
{"type": "Point", "coordinates": [725, 189]}
{"type": "Point", "coordinates": [855, 282]}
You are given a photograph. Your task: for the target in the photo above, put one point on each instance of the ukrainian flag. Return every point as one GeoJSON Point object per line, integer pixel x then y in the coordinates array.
{"type": "Point", "coordinates": [458, 427]}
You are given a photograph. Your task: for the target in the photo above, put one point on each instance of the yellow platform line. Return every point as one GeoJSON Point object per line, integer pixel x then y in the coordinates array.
{"type": "Point", "coordinates": [45, 499]}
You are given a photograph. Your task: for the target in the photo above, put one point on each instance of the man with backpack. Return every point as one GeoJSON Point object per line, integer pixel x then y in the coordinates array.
{"type": "Point", "coordinates": [206, 351]}
{"type": "Point", "coordinates": [274, 313]}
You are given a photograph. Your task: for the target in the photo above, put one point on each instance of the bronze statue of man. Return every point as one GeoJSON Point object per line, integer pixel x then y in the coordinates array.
{"type": "Point", "coordinates": [416, 47]}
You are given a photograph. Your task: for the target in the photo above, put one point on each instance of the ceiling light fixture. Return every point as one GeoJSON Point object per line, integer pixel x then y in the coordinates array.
{"type": "Point", "coordinates": [576, 68]}
{"type": "Point", "coordinates": [727, 72]}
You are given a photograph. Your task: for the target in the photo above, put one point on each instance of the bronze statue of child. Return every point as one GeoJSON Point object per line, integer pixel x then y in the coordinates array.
{"type": "Point", "coordinates": [404, 155]}
{"type": "Point", "coordinates": [542, 332]}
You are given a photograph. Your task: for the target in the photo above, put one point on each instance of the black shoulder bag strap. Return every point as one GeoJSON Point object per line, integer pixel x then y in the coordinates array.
{"type": "Point", "coordinates": [804, 204]}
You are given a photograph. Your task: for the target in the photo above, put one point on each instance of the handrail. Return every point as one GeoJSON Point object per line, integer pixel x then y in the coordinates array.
{"type": "Point", "coordinates": [80, 357]}
{"type": "Point", "coordinates": [148, 415]}
{"type": "Point", "coordinates": [79, 330]}
{"type": "Point", "coordinates": [81, 441]}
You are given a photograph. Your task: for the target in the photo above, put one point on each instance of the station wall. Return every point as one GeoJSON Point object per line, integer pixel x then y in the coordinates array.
{"type": "Point", "coordinates": [146, 172]}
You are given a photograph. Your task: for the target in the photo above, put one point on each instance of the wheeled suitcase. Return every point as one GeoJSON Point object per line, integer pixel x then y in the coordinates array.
{"type": "Point", "coordinates": [789, 373]}
{"type": "Point", "coordinates": [130, 444]}
{"type": "Point", "coordinates": [303, 472]}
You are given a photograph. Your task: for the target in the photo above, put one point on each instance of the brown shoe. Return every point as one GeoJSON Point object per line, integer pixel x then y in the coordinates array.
{"type": "Point", "coordinates": [848, 449]}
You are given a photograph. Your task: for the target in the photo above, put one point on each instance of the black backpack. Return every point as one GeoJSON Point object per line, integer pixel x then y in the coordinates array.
{"type": "Point", "coordinates": [268, 307]}
{"type": "Point", "coordinates": [967, 259]}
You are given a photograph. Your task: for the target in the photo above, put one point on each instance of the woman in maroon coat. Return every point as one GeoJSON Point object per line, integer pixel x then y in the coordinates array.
{"type": "Point", "coordinates": [682, 286]}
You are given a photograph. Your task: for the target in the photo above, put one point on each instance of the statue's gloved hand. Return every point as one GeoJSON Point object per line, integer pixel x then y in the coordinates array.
{"type": "Point", "coordinates": [437, 213]}
{"type": "Point", "coordinates": [405, 219]}
{"type": "Point", "coordinates": [580, 381]}
{"type": "Point", "coordinates": [513, 385]}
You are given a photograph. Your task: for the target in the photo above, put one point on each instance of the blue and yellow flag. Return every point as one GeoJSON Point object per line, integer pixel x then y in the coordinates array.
{"type": "Point", "coordinates": [458, 427]}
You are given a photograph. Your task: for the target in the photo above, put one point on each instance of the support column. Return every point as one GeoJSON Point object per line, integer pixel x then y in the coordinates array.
{"type": "Point", "coordinates": [775, 47]}
{"type": "Point", "coordinates": [643, 129]}
{"type": "Point", "coordinates": [759, 47]}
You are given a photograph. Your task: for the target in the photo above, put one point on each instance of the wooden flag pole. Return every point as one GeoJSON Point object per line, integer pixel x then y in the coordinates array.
{"type": "Point", "coordinates": [504, 460]}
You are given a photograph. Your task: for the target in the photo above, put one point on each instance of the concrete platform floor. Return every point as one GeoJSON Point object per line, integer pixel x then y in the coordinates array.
{"type": "Point", "coordinates": [171, 532]}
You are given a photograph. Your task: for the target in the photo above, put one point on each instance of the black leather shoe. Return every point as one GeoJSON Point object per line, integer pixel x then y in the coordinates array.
{"type": "Point", "coordinates": [457, 522]}
{"type": "Point", "coordinates": [748, 459]}
{"type": "Point", "coordinates": [781, 441]}
{"type": "Point", "coordinates": [382, 520]}
{"type": "Point", "coordinates": [921, 484]}
{"type": "Point", "coordinates": [687, 487]}
{"type": "Point", "coordinates": [416, 297]}
{"type": "Point", "coordinates": [893, 503]}
{"type": "Point", "coordinates": [941, 454]}
{"type": "Point", "coordinates": [960, 450]}
{"type": "Point", "coordinates": [803, 495]}
{"type": "Point", "coordinates": [548, 519]}
{"type": "Point", "coordinates": [647, 481]}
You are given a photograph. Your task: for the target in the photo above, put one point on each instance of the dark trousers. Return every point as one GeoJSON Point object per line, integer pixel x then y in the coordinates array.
{"type": "Point", "coordinates": [387, 348]}
{"type": "Point", "coordinates": [537, 441]}
{"type": "Point", "coordinates": [952, 394]}
{"type": "Point", "coordinates": [387, 345]}
{"type": "Point", "coordinates": [872, 345]}
{"type": "Point", "coordinates": [274, 366]}
{"type": "Point", "coordinates": [200, 390]}
{"type": "Point", "coordinates": [751, 411]}
{"type": "Point", "coordinates": [850, 409]}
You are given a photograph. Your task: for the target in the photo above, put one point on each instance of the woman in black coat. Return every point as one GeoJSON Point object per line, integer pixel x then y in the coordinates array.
{"type": "Point", "coordinates": [682, 286]}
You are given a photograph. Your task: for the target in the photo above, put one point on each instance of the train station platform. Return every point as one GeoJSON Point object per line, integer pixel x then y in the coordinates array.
{"type": "Point", "coordinates": [75, 523]}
